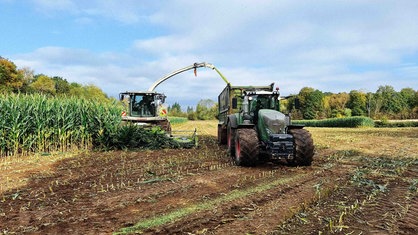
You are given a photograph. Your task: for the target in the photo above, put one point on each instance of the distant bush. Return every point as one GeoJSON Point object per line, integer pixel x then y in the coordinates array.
{"type": "Point", "coordinates": [338, 122]}
{"type": "Point", "coordinates": [396, 123]}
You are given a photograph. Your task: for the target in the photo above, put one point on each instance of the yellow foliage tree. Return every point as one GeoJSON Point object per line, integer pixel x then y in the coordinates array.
{"type": "Point", "coordinates": [10, 78]}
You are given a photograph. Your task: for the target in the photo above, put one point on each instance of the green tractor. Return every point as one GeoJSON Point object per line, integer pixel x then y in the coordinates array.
{"type": "Point", "coordinates": [254, 129]}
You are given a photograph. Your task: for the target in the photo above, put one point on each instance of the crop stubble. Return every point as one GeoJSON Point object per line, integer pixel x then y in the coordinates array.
{"type": "Point", "coordinates": [357, 174]}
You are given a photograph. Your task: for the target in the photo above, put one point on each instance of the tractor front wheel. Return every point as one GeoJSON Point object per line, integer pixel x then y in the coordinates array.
{"type": "Point", "coordinates": [304, 147]}
{"type": "Point", "coordinates": [246, 147]}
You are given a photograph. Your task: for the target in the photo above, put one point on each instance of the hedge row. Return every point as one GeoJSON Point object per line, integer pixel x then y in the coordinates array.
{"type": "Point", "coordinates": [177, 120]}
{"type": "Point", "coordinates": [338, 122]}
{"type": "Point", "coordinates": [396, 124]}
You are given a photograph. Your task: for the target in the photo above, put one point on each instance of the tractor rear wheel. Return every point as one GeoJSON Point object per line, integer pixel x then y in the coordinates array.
{"type": "Point", "coordinates": [246, 147]}
{"type": "Point", "coordinates": [304, 147]}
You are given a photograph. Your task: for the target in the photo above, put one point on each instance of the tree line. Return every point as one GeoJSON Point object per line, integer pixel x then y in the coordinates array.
{"type": "Point", "coordinates": [310, 104]}
{"type": "Point", "coordinates": [385, 103]}
{"type": "Point", "coordinates": [206, 109]}
{"type": "Point", "coordinates": [14, 80]}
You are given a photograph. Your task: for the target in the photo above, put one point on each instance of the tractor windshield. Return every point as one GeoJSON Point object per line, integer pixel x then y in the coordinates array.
{"type": "Point", "coordinates": [261, 102]}
{"type": "Point", "coordinates": [142, 105]}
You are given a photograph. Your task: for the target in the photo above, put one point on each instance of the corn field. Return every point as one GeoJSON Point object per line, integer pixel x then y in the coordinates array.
{"type": "Point", "coordinates": [37, 123]}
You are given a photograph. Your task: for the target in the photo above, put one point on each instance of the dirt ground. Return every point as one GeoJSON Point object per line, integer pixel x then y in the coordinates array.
{"type": "Point", "coordinates": [362, 181]}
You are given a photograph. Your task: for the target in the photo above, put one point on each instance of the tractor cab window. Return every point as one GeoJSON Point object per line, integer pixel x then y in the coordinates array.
{"type": "Point", "coordinates": [259, 102]}
{"type": "Point", "coordinates": [142, 106]}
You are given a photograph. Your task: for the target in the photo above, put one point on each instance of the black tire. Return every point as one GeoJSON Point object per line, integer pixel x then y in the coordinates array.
{"type": "Point", "coordinates": [303, 147]}
{"type": "Point", "coordinates": [222, 135]}
{"type": "Point", "coordinates": [246, 147]}
{"type": "Point", "coordinates": [230, 140]}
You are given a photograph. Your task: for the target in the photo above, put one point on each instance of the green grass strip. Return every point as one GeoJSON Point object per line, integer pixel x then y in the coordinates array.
{"type": "Point", "coordinates": [177, 120]}
{"type": "Point", "coordinates": [180, 213]}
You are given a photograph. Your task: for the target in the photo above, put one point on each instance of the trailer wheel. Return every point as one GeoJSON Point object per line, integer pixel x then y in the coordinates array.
{"type": "Point", "coordinates": [222, 135]}
{"type": "Point", "coordinates": [304, 147]}
{"type": "Point", "coordinates": [246, 147]}
{"type": "Point", "coordinates": [230, 139]}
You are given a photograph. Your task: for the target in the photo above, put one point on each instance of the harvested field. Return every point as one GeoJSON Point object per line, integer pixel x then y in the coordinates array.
{"type": "Point", "coordinates": [361, 181]}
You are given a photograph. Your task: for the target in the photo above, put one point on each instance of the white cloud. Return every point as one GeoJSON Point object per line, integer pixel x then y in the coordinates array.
{"type": "Point", "coordinates": [128, 11]}
{"type": "Point", "coordinates": [295, 44]}
{"type": "Point", "coordinates": [166, 45]}
{"type": "Point", "coordinates": [53, 5]}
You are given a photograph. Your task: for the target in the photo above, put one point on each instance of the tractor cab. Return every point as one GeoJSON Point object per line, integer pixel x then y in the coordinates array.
{"type": "Point", "coordinates": [254, 101]}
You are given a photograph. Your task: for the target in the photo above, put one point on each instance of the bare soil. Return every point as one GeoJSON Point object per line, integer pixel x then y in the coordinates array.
{"type": "Point", "coordinates": [362, 181]}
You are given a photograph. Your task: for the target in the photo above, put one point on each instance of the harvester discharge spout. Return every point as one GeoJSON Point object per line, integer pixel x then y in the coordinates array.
{"type": "Point", "coordinates": [193, 66]}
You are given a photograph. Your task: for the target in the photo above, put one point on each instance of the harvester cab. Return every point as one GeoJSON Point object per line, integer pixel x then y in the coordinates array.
{"type": "Point", "coordinates": [254, 129]}
{"type": "Point", "coordinates": [146, 109]}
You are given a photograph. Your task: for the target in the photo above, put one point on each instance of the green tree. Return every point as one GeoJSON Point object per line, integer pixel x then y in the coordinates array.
{"type": "Point", "coordinates": [175, 110]}
{"type": "Point", "coordinates": [410, 97]}
{"type": "Point", "coordinates": [393, 104]}
{"type": "Point", "coordinates": [61, 85]}
{"type": "Point", "coordinates": [311, 102]}
{"type": "Point", "coordinates": [357, 103]}
{"type": "Point", "coordinates": [206, 109]}
{"type": "Point", "coordinates": [76, 89]}
{"type": "Point", "coordinates": [43, 84]}
{"type": "Point", "coordinates": [10, 79]}
{"type": "Point", "coordinates": [191, 114]}
{"type": "Point", "coordinates": [93, 92]}
{"type": "Point", "coordinates": [338, 104]}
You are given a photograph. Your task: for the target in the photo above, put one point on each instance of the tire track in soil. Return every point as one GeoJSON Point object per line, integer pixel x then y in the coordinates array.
{"type": "Point", "coordinates": [409, 223]}
{"type": "Point", "coordinates": [160, 197]}
{"type": "Point", "coordinates": [259, 211]}
{"type": "Point", "coordinates": [394, 211]}
{"type": "Point", "coordinates": [196, 189]}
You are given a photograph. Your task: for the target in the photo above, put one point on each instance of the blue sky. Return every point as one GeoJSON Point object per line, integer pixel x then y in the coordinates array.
{"type": "Point", "coordinates": [329, 45]}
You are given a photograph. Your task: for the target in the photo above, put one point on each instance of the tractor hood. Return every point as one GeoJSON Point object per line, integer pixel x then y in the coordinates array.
{"type": "Point", "coordinates": [271, 122]}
